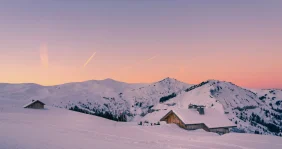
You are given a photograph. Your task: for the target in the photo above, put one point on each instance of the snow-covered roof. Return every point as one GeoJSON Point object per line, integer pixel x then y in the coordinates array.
{"type": "Point", "coordinates": [32, 102]}
{"type": "Point", "coordinates": [211, 118]}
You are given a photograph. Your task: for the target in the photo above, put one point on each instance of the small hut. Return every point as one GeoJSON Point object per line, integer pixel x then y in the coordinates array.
{"type": "Point", "coordinates": [35, 104]}
{"type": "Point", "coordinates": [192, 119]}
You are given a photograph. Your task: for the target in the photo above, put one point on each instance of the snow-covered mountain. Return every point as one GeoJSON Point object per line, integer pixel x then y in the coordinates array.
{"type": "Point", "coordinates": [107, 98]}
{"type": "Point", "coordinates": [253, 111]}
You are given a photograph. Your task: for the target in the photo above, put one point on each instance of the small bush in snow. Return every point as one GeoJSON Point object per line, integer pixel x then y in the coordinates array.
{"type": "Point", "coordinates": [158, 123]}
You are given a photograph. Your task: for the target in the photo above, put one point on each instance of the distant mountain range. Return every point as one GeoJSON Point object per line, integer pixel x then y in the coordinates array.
{"type": "Point", "coordinates": [253, 111]}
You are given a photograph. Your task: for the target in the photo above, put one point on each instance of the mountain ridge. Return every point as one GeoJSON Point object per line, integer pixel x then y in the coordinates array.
{"type": "Point", "coordinates": [253, 111]}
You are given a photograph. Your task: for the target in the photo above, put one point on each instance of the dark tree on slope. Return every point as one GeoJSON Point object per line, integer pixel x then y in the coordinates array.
{"type": "Point", "coordinates": [107, 115]}
{"type": "Point", "coordinates": [271, 127]}
{"type": "Point", "coordinates": [196, 86]}
{"type": "Point", "coordinates": [166, 98]}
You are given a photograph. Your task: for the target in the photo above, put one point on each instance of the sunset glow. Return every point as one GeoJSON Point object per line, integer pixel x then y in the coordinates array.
{"type": "Point", "coordinates": [142, 41]}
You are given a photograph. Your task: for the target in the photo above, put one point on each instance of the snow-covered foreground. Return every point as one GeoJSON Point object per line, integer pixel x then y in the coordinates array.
{"type": "Point", "coordinates": [55, 128]}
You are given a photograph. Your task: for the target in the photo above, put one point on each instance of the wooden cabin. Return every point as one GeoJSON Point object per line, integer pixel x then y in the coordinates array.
{"type": "Point", "coordinates": [171, 117]}
{"type": "Point", "coordinates": [189, 119]}
{"type": "Point", "coordinates": [35, 104]}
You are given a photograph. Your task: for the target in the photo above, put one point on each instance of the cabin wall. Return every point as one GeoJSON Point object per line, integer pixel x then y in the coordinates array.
{"type": "Point", "coordinates": [172, 118]}
{"type": "Point", "coordinates": [196, 126]}
{"type": "Point", "coordinates": [220, 130]}
{"type": "Point", "coordinates": [36, 106]}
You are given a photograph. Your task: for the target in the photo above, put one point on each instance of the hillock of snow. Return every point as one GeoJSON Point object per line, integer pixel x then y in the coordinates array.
{"type": "Point", "coordinates": [58, 128]}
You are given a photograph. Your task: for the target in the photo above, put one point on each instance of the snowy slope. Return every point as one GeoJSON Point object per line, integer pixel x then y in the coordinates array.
{"type": "Point", "coordinates": [272, 97]}
{"type": "Point", "coordinates": [55, 128]}
{"type": "Point", "coordinates": [253, 111]}
{"type": "Point", "coordinates": [243, 107]}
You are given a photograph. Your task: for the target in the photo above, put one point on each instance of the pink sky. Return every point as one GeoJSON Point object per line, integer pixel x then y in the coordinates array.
{"type": "Point", "coordinates": [49, 43]}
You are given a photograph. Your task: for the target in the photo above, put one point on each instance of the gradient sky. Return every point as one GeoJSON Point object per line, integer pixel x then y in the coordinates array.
{"type": "Point", "coordinates": [49, 42]}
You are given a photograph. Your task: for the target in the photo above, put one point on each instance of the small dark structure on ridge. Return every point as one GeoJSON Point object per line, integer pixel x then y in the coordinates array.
{"type": "Point", "coordinates": [200, 108]}
{"type": "Point", "coordinates": [35, 104]}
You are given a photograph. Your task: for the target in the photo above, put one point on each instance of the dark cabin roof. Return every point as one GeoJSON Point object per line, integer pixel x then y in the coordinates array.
{"type": "Point", "coordinates": [33, 102]}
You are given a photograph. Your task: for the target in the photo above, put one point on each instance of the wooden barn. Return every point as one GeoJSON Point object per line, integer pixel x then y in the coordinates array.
{"type": "Point", "coordinates": [35, 104]}
{"type": "Point", "coordinates": [191, 119]}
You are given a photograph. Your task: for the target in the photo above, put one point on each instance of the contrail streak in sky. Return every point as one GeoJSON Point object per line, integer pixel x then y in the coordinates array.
{"type": "Point", "coordinates": [89, 59]}
{"type": "Point", "coordinates": [139, 62]}
{"type": "Point", "coordinates": [152, 58]}
{"type": "Point", "coordinates": [44, 55]}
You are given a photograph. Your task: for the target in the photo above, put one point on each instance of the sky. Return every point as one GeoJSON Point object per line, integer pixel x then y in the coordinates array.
{"type": "Point", "coordinates": [54, 42]}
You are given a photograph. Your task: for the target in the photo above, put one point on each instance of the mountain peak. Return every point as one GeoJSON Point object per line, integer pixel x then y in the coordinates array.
{"type": "Point", "coordinates": [168, 79]}
{"type": "Point", "coordinates": [213, 81]}
{"type": "Point", "coordinates": [109, 79]}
